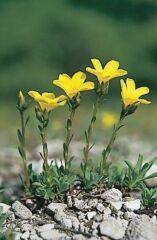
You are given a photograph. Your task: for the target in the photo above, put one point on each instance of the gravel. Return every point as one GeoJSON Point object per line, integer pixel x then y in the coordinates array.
{"type": "Point", "coordinates": [105, 216]}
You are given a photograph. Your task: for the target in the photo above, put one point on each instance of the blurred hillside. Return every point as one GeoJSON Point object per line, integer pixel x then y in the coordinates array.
{"type": "Point", "coordinates": [39, 39]}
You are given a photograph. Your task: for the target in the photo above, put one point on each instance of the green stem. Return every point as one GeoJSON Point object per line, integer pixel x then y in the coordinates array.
{"type": "Point", "coordinates": [45, 148]}
{"type": "Point", "coordinates": [108, 149]}
{"type": "Point", "coordinates": [25, 163]}
{"type": "Point", "coordinates": [89, 132]}
{"type": "Point", "coordinates": [68, 135]}
{"type": "Point", "coordinates": [43, 117]}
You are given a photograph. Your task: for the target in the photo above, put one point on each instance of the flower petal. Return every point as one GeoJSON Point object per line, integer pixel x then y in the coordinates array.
{"type": "Point", "coordinates": [97, 64]}
{"type": "Point", "coordinates": [124, 89]}
{"type": "Point", "coordinates": [64, 82]}
{"type": "Point", "coordinates": [142, 91]}
{"type": "Point", "coordinates": [130, 83]}
{"type": "Point", "coordinates": [34, 94]}
{"type": "Point", "coordinates": [144, 101]}
{"type": "Point", "coordinates": [111, 67]}
{"type": "Point", "coordinates": [119, 73]}
{"type": "Point", "coordinates": [48, 95]}
{"type": "Point", "coordinates": [91, 70]}
{"type": "Point", "coordinates": [64, 75]}
{"type": "Point", "coordinates": [60, 99]}
{"type": "Point", "coordinates": [87, 86]}
{"type": "Point", "coordinates": [52, 106]}
{"type": "Point", "coordinates": [79, 77]}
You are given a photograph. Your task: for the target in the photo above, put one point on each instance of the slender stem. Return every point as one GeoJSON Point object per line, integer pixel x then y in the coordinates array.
{"type": "Point", "coordinates": [108, 149]}
{"type": "Point", "coordinates": [43, 117]}
{"type": "Point", "coordinates": [68, 135]}
{"type": "Point", "coordinates": [45, 148]}
{"type": "Point", "coordinates": [25, 164]}
{"type": "Point", "coordinates": [71, 117]}
{"type": "Point", "coordinates": [89, 132]}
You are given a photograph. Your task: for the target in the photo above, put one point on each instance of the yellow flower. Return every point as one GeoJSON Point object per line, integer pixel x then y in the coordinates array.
{"type": "Point", "coordinates": [73, 85]}
{"type": "Point", "coordinates": [131, 95]}
{"type": "Point", "coordinates": [109, 119]}
{"type": "Point", "coordinates": [48, 101]}
{"type": "Point", "coordinates": [106, 73]}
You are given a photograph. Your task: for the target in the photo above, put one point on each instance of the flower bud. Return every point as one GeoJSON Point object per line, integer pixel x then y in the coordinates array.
{"type": "Point", "coordinates": [22, 104]}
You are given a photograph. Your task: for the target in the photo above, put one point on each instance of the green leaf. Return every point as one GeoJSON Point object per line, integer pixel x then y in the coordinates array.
{"type": "Point", "coordinates": [86, 136]}
{"type": "Point", "coordinates": [129, 165]}
{"type": "Point", "coordinates": [20, 137]}
{"type": "Point", "coordinates": [21, 152]}
{"type": "Point", "coordinates": [148, 165]}
{"type": "Point", "coordinates": [153, 175]}
{"type": "Point", "coordinates": [139, 163]}
{"type": "Point", "coordinates": [27, 120]}
{"type": "Point", "coordinates": [64, 187]}
{"type": "Point", "coordinates": [65, 148]}
{"type": "Point", "coordinates": [37, 184]}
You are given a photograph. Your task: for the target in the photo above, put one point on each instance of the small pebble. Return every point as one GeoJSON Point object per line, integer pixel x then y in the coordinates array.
{"type": "Point", "coordinates": [21, 211]}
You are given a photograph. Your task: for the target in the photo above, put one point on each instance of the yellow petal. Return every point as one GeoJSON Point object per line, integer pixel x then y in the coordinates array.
{"type": "Point", "coordinates": [34, 94]}
{"type": "Point", "coordinates": [64, 75]}
{"type": "Point", "coordinates": [91, 70]}
{"type": "Point", "coordinates": [130, 85]}
{"type": "Point", "coordinates": [143, 101]}
{"type": "Point", "coordinates": [129, 101]}
{"type": "Point", "coordinates": [97, 64]}
{"type": "Point", "coordinates": [48, 95]}
{"type": "Point", "coordinates": [118, 73]}
{"type": "Point", "coordinates": [52, 106]}
{"type": "Point", "coordinates": [124, 89]}
{"type": "Point", "coordinates": [87, 86]}
{"type": "Point", "coordinates": [142, 91]}
{"type": "Point", "coordinates": [62, 103]}
{"type": "Point", "coordinates": [66, 86]}
{"type": "Point", "coordinates": [111, 67]}
{"type": "Point", "coordinates": [79, 77]}
{"type": "Point", "coordinates": [122, 72]}
{"type": "Point", "coordinates": [63, 78]}
{"type": "Point", "coordinates": [60, 98]}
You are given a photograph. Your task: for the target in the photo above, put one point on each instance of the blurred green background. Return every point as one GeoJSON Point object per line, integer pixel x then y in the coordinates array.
{"type": "Point", "coordinates": [40, 39]}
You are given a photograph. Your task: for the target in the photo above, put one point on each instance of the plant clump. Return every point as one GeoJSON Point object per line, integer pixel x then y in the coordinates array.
{"type": "Point", "coordinates": [56, 180]}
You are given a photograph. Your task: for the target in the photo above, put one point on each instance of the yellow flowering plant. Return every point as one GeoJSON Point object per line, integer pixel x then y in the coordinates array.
{"type": "Point", "coordinates": [54, 181]}
{"type": "Point", "coordinates": [46, 102]}
{"type": "Point", "coordinates": [22, 106]}
{"type": "Point", "coordinates": [72, 86]}
{"type": "Point", "coordinates": [130, 100]}
{"type": "Point", "coordinates": [104, 75]}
